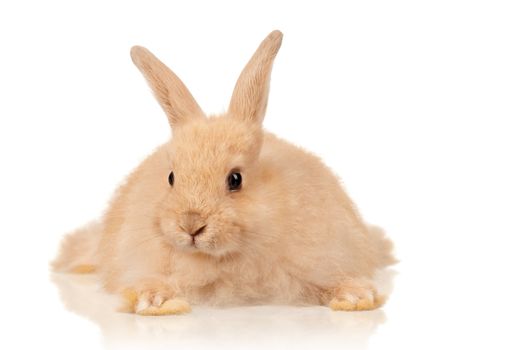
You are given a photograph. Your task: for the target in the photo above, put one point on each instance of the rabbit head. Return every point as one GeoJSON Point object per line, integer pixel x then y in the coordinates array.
{"type": "Point", "coordinates": [210, 161]}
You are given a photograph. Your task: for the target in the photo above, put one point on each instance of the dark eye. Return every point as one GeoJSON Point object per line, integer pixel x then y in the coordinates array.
{"type": "Point", "coordinates": [234, 181]}
{"type": "Point", "coordinates": [171, 178]}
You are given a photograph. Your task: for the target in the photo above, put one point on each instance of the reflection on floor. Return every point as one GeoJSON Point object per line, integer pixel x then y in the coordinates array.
{"type": "Point", "coordinates": [257, 326]}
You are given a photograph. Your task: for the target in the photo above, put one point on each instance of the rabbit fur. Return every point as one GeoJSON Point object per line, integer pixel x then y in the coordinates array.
{"type": "Point", "coordinates": [290, 235]}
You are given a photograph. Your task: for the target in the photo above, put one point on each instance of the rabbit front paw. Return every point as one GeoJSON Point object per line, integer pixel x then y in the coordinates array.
{"type": "Point", "coordinates": [356, 295]}
{"type": "Point", "coordinates": [153, 299]}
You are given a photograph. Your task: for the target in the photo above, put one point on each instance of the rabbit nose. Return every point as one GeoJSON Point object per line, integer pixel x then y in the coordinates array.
{"type": "Point", "coordinates": [193, 224]}
{"type": "Point", "coordinates": [198, 231]}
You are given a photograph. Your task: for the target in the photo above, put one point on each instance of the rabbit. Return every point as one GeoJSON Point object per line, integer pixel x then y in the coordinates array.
{"type": "Point", "coordinates": [228, 214]}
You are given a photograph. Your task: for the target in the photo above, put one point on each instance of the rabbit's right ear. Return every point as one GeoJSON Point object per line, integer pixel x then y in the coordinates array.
{"type": "Point", "coordinates": [169, 90]}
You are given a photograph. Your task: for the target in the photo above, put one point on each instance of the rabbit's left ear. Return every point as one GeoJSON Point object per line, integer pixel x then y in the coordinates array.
{"type": "Point", "coordinates": [249, 99]}
{"type": "Point", "coordinates": [169, 90]}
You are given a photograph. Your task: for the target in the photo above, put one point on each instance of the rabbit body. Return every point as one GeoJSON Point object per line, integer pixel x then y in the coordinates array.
{"type": "Point", "coordinates": [288, 234]}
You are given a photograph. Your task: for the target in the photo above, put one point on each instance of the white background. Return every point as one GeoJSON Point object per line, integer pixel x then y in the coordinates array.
{"type": "Point", "coordinates": [419, 106]}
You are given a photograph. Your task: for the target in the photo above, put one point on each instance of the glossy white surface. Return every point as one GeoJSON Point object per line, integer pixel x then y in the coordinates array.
{"type": "Point", "coordinates": [261, 327]}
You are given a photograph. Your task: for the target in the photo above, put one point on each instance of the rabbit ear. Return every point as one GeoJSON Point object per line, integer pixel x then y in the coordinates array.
{"type": "Point", "coordinates": [249, 99]}
{"type": "Point", "coordinates": [169, 90]}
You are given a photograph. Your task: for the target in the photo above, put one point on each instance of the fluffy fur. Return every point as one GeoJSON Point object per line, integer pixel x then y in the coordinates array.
{"type": "Point", "coordinates": [290, 235]}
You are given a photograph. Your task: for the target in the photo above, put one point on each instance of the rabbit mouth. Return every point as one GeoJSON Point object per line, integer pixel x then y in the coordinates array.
{"type": "Point", "coordinates": [191, 243]}
{"type": "Point", "coordinates": [209, 245]}
{"type": "Point", "coordinates": [210, 237]}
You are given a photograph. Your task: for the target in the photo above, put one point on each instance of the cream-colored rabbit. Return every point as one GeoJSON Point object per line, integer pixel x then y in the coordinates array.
{"type": "Point", "coordinates": [226, 213]}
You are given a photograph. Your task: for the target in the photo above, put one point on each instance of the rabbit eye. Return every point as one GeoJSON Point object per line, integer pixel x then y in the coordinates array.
{"type": "Point", "coordinates": [171, 178]}
{"type": "Point", "coordinates": [234, 181]}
